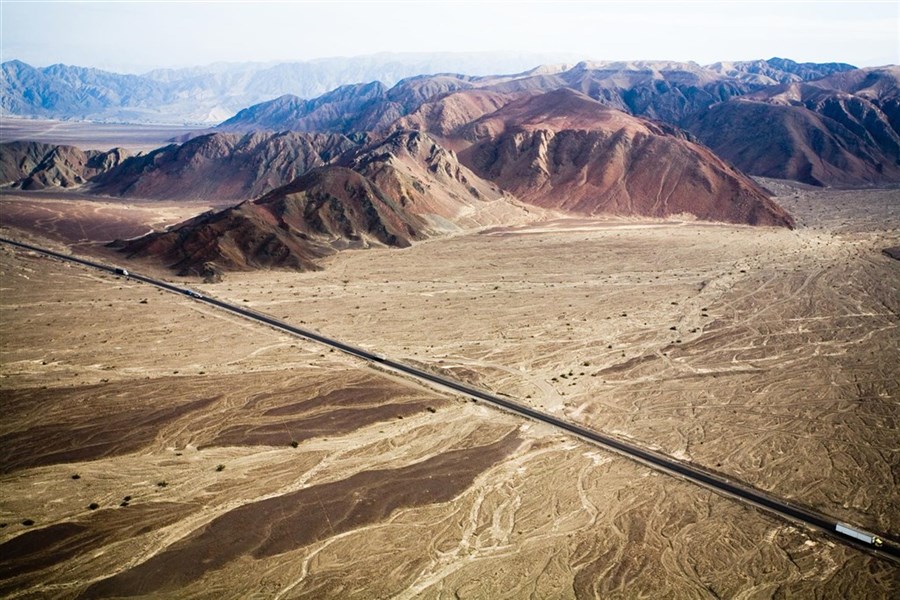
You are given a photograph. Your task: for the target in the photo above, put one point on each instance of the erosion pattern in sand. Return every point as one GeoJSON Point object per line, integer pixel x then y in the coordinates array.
{"type": "Point", "coordinates": [769, 355]}
{"type": "Point", "coordinates": [396, 490]}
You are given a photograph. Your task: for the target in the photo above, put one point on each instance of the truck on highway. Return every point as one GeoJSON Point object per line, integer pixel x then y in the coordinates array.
{"type": "Point", "coordinates": [121, 271]}
{"type": "Point", "coordinates": [858, 534]}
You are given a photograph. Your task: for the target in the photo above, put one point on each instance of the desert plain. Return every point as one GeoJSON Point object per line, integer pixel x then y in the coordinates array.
{"type": "Point", "coordinates": [153, 446]}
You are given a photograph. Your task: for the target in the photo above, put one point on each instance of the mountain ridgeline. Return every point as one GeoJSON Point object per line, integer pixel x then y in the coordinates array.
{"type": "Point", "coordinates": [208, 95]}
{"type": "Point", "coordinates": [36, 166]}
{"type": "Point", "coordinates": [827, 124]}
{"type": "Point", "coordinates": [367, 164]}
{"type": "Point", "coordinates": [667, 91]}
{"type": "Point", "coordinates": [390, 192]}
{"type": "Point", "coordinates": [223, 166]}
{"type": "Point", "coordinates": [325, 210]}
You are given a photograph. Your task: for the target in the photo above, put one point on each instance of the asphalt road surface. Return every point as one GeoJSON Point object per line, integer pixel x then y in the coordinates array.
{"type": "Point", "coordinates": [876, 544]}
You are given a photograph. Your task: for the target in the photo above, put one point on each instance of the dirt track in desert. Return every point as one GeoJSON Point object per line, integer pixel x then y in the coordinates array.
{"type": "Point", "coordinates": [768, 355]}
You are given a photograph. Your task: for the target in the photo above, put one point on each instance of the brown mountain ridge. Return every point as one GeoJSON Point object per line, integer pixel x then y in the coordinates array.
{"type": "Point", "coordinates": [563, 150]}
{"type": "Point", "coordinates": [391, 192]}
{"type": "Point", "coordinates": [559, 151]}
{"type": "Point", "coordinates": [843, 130]}
{"type": "Point", "coordinates": [327, 209]}
{"type": "Point", "coordinates": [222, 166]}
{"type": "Point", "coordinates": [36, 166]}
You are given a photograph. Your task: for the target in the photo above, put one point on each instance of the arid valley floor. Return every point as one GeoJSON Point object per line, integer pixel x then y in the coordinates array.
{"type": "Point", "coordinates": [226, 458]}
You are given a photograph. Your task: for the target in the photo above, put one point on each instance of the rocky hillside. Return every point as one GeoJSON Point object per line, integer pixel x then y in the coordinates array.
{"type": "Point", "coordinates": [428, 181]}
{"type": "Point", "coordinates": [390, 192]}
{"type": "Point", "coordinates": [843, 130]}
{"type": "Point", "coordinates": [35, 166]}
{"type": "Point", "coordinates": [563, 150]}
{"type": "Point", "coordinates": [327, 209]}
{"type": "Point", "coordinates": [444, 115]}
{"type": "Point", "coordinates": [878, 85]}
{"type": "Point", "coordinates": [222, 166]}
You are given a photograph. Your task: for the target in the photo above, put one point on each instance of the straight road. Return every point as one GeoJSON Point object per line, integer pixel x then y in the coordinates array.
{"type": "Point", "coordinates": [878, 545]}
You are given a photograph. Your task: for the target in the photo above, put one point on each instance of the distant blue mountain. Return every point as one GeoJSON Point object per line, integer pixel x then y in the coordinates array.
{"type": "Point", "coordinates": [211, 94]}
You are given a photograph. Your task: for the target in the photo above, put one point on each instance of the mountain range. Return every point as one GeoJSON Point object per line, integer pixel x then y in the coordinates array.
{"type": "Point", "coordinates": [820, 124]}
{"type": "Point", "coordinates": [839, 130]}
{"type": "Point", "coordinates": [210, 94]}
{"type": "Point", "coordinates": [667, 91]}
{"type": "Point", "coordinates": [367, 164]}
{"type": "Point", "coordinates": [390, 192]}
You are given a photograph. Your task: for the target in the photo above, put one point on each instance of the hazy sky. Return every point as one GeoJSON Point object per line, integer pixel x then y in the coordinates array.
{"type": "Point", "coordinates": [137, 36]}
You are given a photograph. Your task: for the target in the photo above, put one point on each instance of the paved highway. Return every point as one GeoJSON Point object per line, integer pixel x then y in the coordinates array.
{"type": "Point", "coordinates": [844, 532]}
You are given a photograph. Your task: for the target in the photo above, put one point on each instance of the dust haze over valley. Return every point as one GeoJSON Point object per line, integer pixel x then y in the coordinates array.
{"type": "Point", "coordinates": [700, 260]}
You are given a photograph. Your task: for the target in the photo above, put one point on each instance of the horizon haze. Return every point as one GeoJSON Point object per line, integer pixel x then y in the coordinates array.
{"type": "Point", "coordinates": [117, 37]}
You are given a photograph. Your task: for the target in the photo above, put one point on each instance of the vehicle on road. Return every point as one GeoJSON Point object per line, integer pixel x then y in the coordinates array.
{"type": "Point", "coordinates": [858, 534]}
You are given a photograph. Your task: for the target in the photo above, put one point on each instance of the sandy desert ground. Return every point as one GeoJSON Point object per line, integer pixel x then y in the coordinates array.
{"type": "Point", "coordinates": [77, 220]}
{"type": "Point", "coordinates": [768, 355]}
